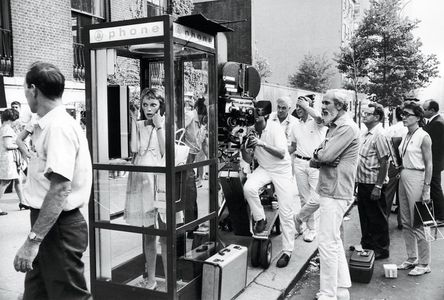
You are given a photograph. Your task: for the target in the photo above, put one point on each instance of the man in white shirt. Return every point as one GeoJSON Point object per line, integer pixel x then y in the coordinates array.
{"type": "Point", "coordinates": [306, 135]}
{"type": "Point", "coordinates": [59, 183]}
{"type": "Point", "coordinates": [282, 116]}
{"type": "Point", "coordinates": [270, 151]}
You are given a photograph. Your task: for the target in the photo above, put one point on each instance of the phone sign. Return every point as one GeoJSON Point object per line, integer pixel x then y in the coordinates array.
{"type": "Point", "coordinates": [127, 32]}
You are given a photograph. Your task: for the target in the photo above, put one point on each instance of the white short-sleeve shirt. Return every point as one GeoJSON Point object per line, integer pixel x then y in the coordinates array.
{"type": "Point", "coordinates": [307, 136]}
{"type": "Point", "coordinates": [273, 135]}
{"type": "Point", "coordinates": [59, 146]}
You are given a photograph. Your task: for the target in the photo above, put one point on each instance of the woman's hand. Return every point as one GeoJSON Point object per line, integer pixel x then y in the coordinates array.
{"type": "Point", "coordinates": [426, 194]}
{"type": "Point", "coordinates": [158, 120]}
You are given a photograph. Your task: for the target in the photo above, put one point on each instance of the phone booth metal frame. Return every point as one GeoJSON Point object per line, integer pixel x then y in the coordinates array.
{"type": "Point", "coordinates": [108, 280]}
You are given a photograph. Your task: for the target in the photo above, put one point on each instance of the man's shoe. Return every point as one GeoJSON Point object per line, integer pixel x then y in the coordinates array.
{"type": "Point", "coordinates": [309, 235]}
{"type": "Point", "coordinates": [283, 260]}
{"type": "Point", "coordinates": [3, 213]}
{"type": "Point", "coordinates": [298, 224]}
{"type": "Point", "coordinates": [418, 271]}
{"type": "Point", "coordinates": [260, 226]}
{"type": "Point", "coordinates": [381, 254]}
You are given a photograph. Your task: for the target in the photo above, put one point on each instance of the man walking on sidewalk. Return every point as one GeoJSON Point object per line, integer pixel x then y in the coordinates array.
{"type": "Point", "coordinates": [59, 183]}
{"type": "Point", "coordinates": [336, 159]}
{"type": "Point", "coordinates": [371, 176]}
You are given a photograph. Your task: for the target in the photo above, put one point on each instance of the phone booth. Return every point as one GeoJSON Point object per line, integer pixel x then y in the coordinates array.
{"type": "Point", "coordinates": [151, 218]}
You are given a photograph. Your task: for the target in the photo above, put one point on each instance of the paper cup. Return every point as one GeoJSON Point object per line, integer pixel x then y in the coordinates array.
{"type": "Point", "coordinates": [390, 270]}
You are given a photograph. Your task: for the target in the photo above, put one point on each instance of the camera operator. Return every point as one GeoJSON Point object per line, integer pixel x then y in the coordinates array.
{"type": "Point", "coordinates": [270, 151]}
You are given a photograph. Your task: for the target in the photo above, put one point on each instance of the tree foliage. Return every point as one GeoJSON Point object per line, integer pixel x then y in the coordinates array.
{"type": "Point", "coordinates": [182, 7]}
{"type": "Point", "coordinates": [261, 64]}
{"type": "Point", "coordinates": [314, 73]}
{"type": "Point", "coordinates": [383, 57]}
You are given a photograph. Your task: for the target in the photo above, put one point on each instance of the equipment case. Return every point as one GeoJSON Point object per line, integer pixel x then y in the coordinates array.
{"type": "Point", "coordinates": [225, 273]}
{"type": "Point", "coordinates": [361, 265]}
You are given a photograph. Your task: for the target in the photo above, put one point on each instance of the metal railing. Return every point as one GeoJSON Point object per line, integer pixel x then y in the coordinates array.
{"type": "Point", "coordinates": [5, 52]}
{"type": "Point", "coordinates": [79, 62]}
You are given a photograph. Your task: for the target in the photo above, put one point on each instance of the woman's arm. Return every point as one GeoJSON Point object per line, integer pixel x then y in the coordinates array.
{"type": "Point", "coordinates": [134, 136]}
{"type": "Point", "coordinates": [8, 141]}
{"type": "Point", "coordinates": [426, 149]}
{"type": "Point", "coordinates": [21, 143]}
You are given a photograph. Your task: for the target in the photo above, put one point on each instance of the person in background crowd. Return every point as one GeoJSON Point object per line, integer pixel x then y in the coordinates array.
{"type": "Point", "coordinates": [371, 177]}
{"type": "Point", "coordinates": [59, 183]}
{"type": "Point", "coordinates": [336, 159]}
{"type": "Point", "coordinates": [271, 152]}
{"type": "Point", "coordinates": [202, 113]}
{"type": "Point", "coordinates": [394, 135]}
{"type": "Point", "coordinates": [414, 186]}
{"type": "Point", "coordinates": [282, 116]}
{"type": "Point", "coordinates": [308, 133]}
{"type": "Point", "coordinates": [435, 128]}
{"type": "Point", "coordinates": [10, 157]}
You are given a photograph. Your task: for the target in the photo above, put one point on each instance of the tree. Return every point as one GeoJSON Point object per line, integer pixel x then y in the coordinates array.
{"type": "Point", "coordinates": [314, 74]}
{"type": "Point", "coordinates": [384, 58]}
{"type": "Point", "coordinates": [261, 64]}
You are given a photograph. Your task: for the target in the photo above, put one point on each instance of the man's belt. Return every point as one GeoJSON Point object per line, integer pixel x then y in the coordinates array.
{"type": "Point", "coordinates": [302, 157]}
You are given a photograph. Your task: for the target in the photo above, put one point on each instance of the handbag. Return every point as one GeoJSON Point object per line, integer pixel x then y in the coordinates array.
{"type": "Point", "coordinates": [424, 215]}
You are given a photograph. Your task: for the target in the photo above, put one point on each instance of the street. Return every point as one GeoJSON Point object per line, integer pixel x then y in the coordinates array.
{"type": "Point", "coordinates": [429, 286]}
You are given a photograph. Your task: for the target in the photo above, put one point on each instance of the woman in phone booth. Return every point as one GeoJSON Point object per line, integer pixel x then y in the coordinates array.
{"type": "Point", "coordinates": [148, 147]}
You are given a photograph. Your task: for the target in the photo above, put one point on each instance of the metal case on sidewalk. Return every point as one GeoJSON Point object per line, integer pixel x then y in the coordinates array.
{"type": "Point", "coordinates": [225, 273]}
{"type": "Point", "coordinates": [361, 265]}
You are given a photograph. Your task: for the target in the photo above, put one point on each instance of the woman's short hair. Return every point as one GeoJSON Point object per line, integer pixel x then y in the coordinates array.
{"type": "Point", "coordinates": [47, 78]}
{"type": "Point", "coordinates": [9, 114]}
{"type": "Point", "coordinates": [152, 93]}
{"type": "Point", "coordinates": [415, 107]}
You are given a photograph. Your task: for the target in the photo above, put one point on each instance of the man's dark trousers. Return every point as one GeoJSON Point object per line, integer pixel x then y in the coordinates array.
{"type": "Point", "coordinates": [437, 196]}
{"type": "Point", "coordinates": [58, 268]}
{"type": "Point", "coordinates": [373, 218]}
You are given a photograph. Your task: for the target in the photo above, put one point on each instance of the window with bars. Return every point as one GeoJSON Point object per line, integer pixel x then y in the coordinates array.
{"type": "Point", "coordinates": [84, 12]}
{"type": "Point", "coordinates": [156, 7]}
{"type": "Point", "coordinates": [5, 39]}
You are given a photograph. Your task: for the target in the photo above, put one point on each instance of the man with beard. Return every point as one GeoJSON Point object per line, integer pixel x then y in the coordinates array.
{"type": "Point", "coordinates": [371, 176]}
{"type": "Point", "coordinates": [270, 151]}
{"type": "Point", "coordinates": [336, 159]}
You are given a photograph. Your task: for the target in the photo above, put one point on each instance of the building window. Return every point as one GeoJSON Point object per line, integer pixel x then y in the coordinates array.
{"type": "Point", "coordinates": [5, 39]}
{"type": "Point", "coordinates": [156, 7]}
{"type": "Point", "coordinates": [84, 12]}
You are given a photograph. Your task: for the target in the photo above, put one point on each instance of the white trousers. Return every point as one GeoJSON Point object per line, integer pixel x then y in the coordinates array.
{"type": "Point", "coordinates": [410, 191]}
{"type": "Point", "coordinates": [334, 267]}
{"type": "Point", "coordinates": [284, 187]}
{"type": "Point", "coordinates": [307, 180]}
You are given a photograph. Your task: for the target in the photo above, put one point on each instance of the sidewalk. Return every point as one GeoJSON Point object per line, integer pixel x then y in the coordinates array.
{"type": "Point", "coordinates": [273, 283]}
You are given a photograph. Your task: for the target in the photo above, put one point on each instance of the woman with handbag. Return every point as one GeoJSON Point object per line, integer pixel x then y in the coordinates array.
{"type": "Point", "coordinates": [148, 147]}
{"type": "Point", "coordinates": [10, 162]}
{"type": "Point", "coordinates": [414, 185]}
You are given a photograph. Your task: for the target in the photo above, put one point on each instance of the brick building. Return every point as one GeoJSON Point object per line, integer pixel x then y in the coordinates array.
{"type": "Point", "coordinates": [51, 31]}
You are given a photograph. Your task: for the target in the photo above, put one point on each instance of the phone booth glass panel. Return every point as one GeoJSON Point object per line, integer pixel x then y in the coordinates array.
{"type": "Point", "coordinates": [151, 98]}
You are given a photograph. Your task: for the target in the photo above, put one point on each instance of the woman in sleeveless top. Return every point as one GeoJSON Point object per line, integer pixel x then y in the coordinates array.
{"type": "Point", "coordinates": [148, 147]}
{"type": "Point", "coordinates": [414, 185]}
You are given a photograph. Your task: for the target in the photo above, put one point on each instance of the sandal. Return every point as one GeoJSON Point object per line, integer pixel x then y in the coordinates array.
{"type": "Point", "coordinates": [407, 265]}
{"type": "Point", "coordinates": [417, 271]}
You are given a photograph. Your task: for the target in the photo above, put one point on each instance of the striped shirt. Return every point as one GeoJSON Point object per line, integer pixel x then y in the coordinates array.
{"type": "Point", "coordinates": [374, 146]}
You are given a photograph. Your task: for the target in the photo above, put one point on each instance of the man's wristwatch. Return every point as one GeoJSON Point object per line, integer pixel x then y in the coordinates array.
{"type": "Point", "coordinates": [32, 237]}
{"type": "Point", "coordinates": [378, 186]}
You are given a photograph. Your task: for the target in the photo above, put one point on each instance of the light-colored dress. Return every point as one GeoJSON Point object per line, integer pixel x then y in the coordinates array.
{"type": "Point", "coordinates": [141, 191]}
{"type": "Point", "coordinates": [8, 167]}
